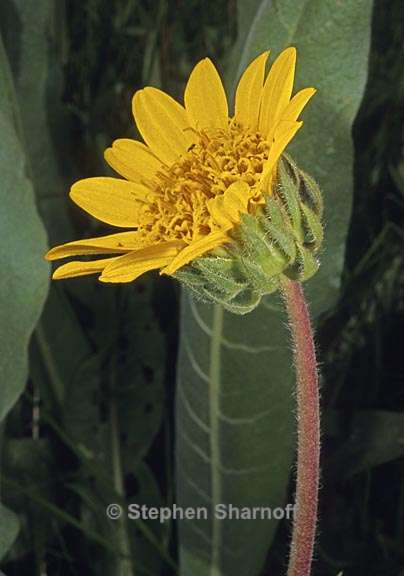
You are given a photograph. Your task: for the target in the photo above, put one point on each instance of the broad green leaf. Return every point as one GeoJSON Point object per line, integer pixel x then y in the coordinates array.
{"type": "Point", "coordinates": [147, 492]}
{"type": "Point", "coordinates": [128, 369]}
{"type": "Point", "coordinates": [113, 412]}
{"type": "Point", "coordinates": [143, 539]}
{"type": "Point", "coordinates": [24, 276]}
{"type": "Point", "coordinates": [31, 39]}
{"type": "Point", "coordinates": [26, 28]}
{"type": "Point", "coordinates": [59, 349]}
{"type": "Point", "coordinates": [234, 431]}
{"type": "Point", "coordinates": [32, 45]}
{"type": "Point", "coordinates": [235, 408]}
{"type": "Point", "coordinates": [9, 527]}
{"type": "Point", "coordinates": [24, 282]}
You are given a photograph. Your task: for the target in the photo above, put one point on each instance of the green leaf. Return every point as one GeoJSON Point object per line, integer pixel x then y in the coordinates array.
{"type": "Point", "coordinates": [24, 277]}
{"type": "Point", "coordinates": [9, 526]}
{"type": "Point", "coordinates": [32, 38]}
{"type": "Point", "coordinates": [234, 431]}
{"type": "Point", "coordinates": [59, 350]}
{"type": "Point", "coordinates": [143, 537]}
{"type": "Point", "coordinates": [32, 42]}
{"type": "Point", "coordinates": [111, 416]}
{"type": "Point", "coordinates": [128, 370]}
{"type": "Point", "coordinates": [235, 408]}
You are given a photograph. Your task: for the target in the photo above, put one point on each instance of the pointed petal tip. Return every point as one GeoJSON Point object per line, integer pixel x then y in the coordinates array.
{"type": "Point", "coordinates": [105, 279]}
{"type": "Point", "coordinates": [73, 190]}
{"type": "Point", "coordinates": [56, 275]}
{"type": "Point", "coordinates": [205, 98]}
{"type": "Point", "coordinates": [264, 55]}
{"type": "Point", "coordinates": [136, 98]}
{"type": "Point", "coordinates": [165, 272]}
{"type": "Point", "coordinates": [205, 62]}
{"type": "Point", "coordinates": [249, 91]}
{"type": "Point", "coordinates": [261, 56]}
{"type": "Point", "coordinates": [290, 54]}
{"type": "Point", "coordinates": [161, 121]}
{"type": "Point", "coordinates": [137, 94]}
{"type": "Point", "coordinates": [296, 124]}
{"type": "Point", "coordinates": [150, 90]}
{"type": "Point", "coordinates": [53, 254]}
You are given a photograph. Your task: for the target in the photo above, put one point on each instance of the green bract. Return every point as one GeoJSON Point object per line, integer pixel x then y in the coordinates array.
{"type": "Point", "coordinates": [280, 239]}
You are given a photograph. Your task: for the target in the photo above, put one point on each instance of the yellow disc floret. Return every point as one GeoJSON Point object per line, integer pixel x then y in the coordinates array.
{"type": "Point", "coordinates": [180, 202]}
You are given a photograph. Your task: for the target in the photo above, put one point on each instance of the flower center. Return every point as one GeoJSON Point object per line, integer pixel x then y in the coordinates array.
{"type": "Point", "coordinates": [219, 158]}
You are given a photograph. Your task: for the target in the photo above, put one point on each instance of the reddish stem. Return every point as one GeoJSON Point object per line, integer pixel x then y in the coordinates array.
{"type": "Point", "coordinates": [308, 422]}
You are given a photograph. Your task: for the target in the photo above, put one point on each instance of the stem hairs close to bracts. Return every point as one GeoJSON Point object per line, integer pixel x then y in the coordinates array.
{"type": "Point", "coordinates": [308, 428]}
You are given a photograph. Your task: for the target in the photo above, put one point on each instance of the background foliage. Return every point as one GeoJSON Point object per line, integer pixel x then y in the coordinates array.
{"type": "Point", "coordinates": [95, 423]}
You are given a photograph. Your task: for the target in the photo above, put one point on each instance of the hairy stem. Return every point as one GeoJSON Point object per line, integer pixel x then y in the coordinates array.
{"type": "Point", "coordinates": [308, 421]}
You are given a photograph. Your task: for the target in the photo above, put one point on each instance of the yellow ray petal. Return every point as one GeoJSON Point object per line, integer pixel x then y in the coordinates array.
{"type": "Point", "coordinates": [226, 209]}
{"type": "Point", "coordinates": [75, 269]}
{"type": "Point", "coordinates": [249, 92]}
{"type": "Point", "coordinates": [236, 200]}
{"type": "Point", "coordinates": [129, 267]}
{"type": "Point", "coordinates": [163, 124]}
{"type": "Point", "coordinates": [195, 250]}
{"type": "Point", "coordinates": [284, 133]}
{"type": "Point", "coordinates": [111, 244]}
{"type": "Point", "coordinates": [218, 213]}
{"type": "Point", "coordinates": [277, 91]}
{"type": "Point", "coordinates": [111, 200]}
{"type": "Point", "coordinates": [205, 98]}
{"type": "Point", "coordinates": [296, 105]}
{"type": "Point", "coordinates": [132, 160]}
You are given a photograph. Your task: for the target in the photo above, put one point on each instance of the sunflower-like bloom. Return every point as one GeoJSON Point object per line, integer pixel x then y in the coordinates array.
{"type": "Point", "coordinates": [199, 172]}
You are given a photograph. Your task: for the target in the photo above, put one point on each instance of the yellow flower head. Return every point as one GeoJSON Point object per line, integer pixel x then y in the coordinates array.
{"type": "Point", "coordinates": [200, 170]}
